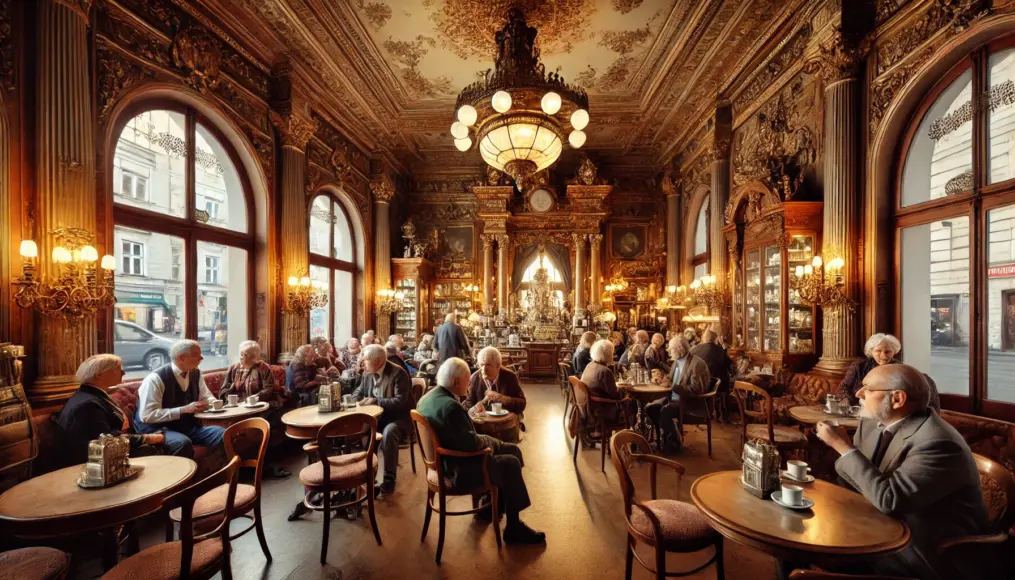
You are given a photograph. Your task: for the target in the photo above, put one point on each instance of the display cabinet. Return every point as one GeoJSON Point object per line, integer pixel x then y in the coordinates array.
{"type": "Point", "coordinates": [451, 297]}
{"type": "Point", "coordinates": [766, 241]}
{"type": "Point", "coordinates": [414, 279]}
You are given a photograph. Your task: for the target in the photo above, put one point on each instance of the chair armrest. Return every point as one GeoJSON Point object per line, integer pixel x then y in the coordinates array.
{"type": "Point", "coordinates": [453, 453]}
{"type": "Point", "coordinates": [660, 461]}
{"type": "Point", "coordinates": [602, 401]}
{"type": "Point", "coordinates": [657, 527]}
{"type": "Point", "coordinates": [998, 538]}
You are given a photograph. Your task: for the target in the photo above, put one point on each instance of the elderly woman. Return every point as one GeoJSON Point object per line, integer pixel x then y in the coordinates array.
{"type": "Point", "coordinates": [90, 412]}
{"type": "Point", "coordinates": [424, 350]}
{"type": "Point", "coordinates": [691, 334]}
{"type": "Point", "coordinates": [880, 350]}
{"type": "Point", "coordinates": [327, 358]}
{"type": "Point", "coordinates": [655, 355]}
{"type": "Point", "coordinates": [349, 356]}
{"type": "Point", "coordinates": [600, 380]}
{"type": "Point", "coordinates": [581, 357]}
{"type": "Point", "coordinates": [302, 378]}
{"type": "Point", "coordinates": [619, 348]}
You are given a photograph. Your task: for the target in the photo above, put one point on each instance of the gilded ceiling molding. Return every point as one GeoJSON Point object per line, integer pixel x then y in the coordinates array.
{"type": "Point", "coordinates": [766, 82]}
{"type": "Point", "coordinates": [198, 54]}
{"type": "Point", "coordinates": [116, 76]}
{"type": "Point", "coordinates": [294, 130]}
{"type": "Point", "coordinates": [914, 33]}
{"type": "Point", "coordinates": [838, 58]}
{"type": "Point", "coordinates": [8, 69]}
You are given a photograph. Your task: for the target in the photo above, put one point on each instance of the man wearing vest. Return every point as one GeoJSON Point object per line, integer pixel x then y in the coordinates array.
{"type": "Point", "coordinates": [171, 395]}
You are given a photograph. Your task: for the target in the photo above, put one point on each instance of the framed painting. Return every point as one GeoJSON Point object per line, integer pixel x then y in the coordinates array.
{"type": "Point", "coordinates": [628, 241]}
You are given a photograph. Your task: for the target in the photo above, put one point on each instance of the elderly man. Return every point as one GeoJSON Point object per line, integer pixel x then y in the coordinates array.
{"type": "Point", "coordinates": [395, 348]}
{"type": "Point", "coordinates": [581, 357]}
{"type": "Point", "coordinates": [688, 376]}
{"type": "Point", "coordinates": [493, 383]}
{"type": "Point", "coordinates": [349, 355]}
{"type": "Point", "coordinates": [450, 341]}
{"type": "Point", "coordinates": [718, 362]}
{"type": "Point", "coordinates": [450, 421]}
{"type": "Point", "coordinates": [911, 464]}
{"type": "Point", "coordinates": [302, 379]}
{"type": "Point", "coordinates": [655, 355]}
{"type": "Point", "coordinates": [636, 351]}
{"type": "Point", "coordinates": [386, 385]}
{"type": "Point", "coordinates": [169, 398]}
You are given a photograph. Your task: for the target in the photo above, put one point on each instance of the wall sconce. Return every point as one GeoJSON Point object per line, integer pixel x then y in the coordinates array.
{"type": "Point", "coordinates": [304, 296]}
{"type": "Point", "coordinates": [822, 286]}
{"type": "Point", "coordinates": [472, 291]}
{"type": "Point", "coordinates": [389, 301]}
{"type": "Point", "coordinates": [83, 284]}
{"type": "Point", "coordinates": [678, 297]}
{"type": "Point", "coordinates": [707, 292]}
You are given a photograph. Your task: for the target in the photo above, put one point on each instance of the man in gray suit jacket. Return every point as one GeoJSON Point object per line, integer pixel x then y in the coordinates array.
{"type": "Point", "coordinates": [450, 340]}
{"type": "Point", "coordinates": [687, 377]}
{"type": "Point", "coordinates": [911, 464]}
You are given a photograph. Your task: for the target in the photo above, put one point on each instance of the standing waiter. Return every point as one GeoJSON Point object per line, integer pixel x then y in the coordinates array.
{"type": "Point", "coordinates": [450, 341]}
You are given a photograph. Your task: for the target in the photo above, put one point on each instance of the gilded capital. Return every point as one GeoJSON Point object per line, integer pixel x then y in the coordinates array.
{"type": "Point", "coordinates": [595, 240]}
{"type": "Point", "coordinates": [718, 150]}
{"type": "Point", "coordinates": [295, 131]}
{"type": "Point", "coordinates": [503, 241]}
{"type": "Point", "coordinates": [838, 58]}
{"type": "Point", "coordinates": [487, 240]}
{"type": "Point", "coordinates": [81, 7]}
{"type": "Point", "coordinates": [578, 240]}
{"type": "Point", "coordinates": [383, 190]}
{"type": "Point", "coordinates": [668, 185]}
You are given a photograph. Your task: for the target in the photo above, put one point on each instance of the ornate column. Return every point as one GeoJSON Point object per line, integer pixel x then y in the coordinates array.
{"type": "Point", "coordinates": [673, 228]}
{"type": "Point", "coordinates": [65, 181]}
{"type": "Point", "coordinates": [503, 246]}
{"type": "Point", "coordinates": [837, 63]}
{"type": "Point", "coordinates": [579, 273]}
{"type": "Point", "coordinates": [294, 132]}
{"type": "Point", "coordinates": [487, 271]}
{"type": "Point", "coordinates": [719, 168]}
{"type": "Point", "coordinates": [594, 242]}
{"type": "Point", "coordinates": [383, 190]}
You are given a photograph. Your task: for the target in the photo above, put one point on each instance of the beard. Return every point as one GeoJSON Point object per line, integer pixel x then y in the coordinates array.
{"type": "Point", "coordinates": [881, 414]}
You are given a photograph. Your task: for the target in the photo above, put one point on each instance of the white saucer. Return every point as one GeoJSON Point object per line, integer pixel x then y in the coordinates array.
{"type": "Point", "coordinates": [807, 479]}
{"type": "Point", "coordinates": [254, 406]}
{"type": "Point", "coordinates": [501, 414]}
{"type": "Point", "coordinates": [806, 505]}
{"type": "Point", "coordinates": [214, 410]}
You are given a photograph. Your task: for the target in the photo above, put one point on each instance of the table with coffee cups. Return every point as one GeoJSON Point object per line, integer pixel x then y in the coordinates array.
{"type": "Point", "coordinates": [496, 421]}
{"type": "Point", "coordinates": [305, 422]}
{"type": "Point", "coordinates": [805, 520]}
{"type": "Point", "coordinates": [232, 410]}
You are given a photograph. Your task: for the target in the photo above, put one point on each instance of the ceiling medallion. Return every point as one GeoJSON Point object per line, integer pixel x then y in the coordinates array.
{"type": "Point", "coordinates": [517, 110]}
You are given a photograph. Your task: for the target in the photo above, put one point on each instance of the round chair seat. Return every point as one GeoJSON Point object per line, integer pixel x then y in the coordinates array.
{"type": "Point", "coordinates": [34, 564]}
{"type": "Point", "coordinates": [162, 561]}
{"type": "Point", "coordinates": [343, 468]}
{"type": "Point", "coordinates": [684, 528]}
{"type": "Point", "coordinates": [214, 502]}
{"type": "Point", "coordinates": [783, 435]}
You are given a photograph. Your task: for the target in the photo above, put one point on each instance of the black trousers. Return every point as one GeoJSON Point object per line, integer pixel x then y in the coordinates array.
{"type": "Point", "coordinates": [665, 413]}
{"type": "Point", "coordinates": [505, 469]}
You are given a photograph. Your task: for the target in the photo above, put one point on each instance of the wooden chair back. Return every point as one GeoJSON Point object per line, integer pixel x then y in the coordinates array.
{"type": "Point", "coordinates": [581, 394]}
{"type": "Point", "coordinates": [998, 486]}
{"type": "Point", "coordinates": [429, 443]}
{"type": "Point", "coordinates": [742, 392]}
{"type": "Point", "coordinates": [418, 386]}
{"type": "Point", "coordinates": [184, 500]}
{"type": "Point", "coordinates": [622, 449]}
{"type": "Point", "coordinates": [241, 438]}
{"type": "Point", "coordinates": [353, 425]}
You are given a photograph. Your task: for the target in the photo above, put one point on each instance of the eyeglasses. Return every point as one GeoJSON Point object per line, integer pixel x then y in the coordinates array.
{"type": "Point", "coordinates": [870, 390]}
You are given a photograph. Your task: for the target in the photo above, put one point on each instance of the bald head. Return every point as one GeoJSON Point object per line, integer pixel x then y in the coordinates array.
{"type": "Point", "coordinates": [894, 391]}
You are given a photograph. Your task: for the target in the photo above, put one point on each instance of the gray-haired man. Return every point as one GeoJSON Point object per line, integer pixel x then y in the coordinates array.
{"type": "Point", "coordinates": [386, 385]}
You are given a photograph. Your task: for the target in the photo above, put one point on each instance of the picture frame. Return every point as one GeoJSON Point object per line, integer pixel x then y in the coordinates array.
{"type": "Point", "coordinates": [628, 242]}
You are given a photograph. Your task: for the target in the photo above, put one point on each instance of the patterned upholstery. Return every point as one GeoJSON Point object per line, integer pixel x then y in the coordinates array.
{"type": "Point", "coordinates": [782, 434]}
{"type": "Point", "coordinates": [683, 526]}
{"type": "Point", "coordinates": [162, 561]}
{"type": "Point", "coordinates": [343, 468]}
{"type": "Point", "coordinates": [214, 502]}
{"type": "Point", "coordinates": [802, 389]}
{"type": "Point", "coordinates": [34, 564]}
{"type": "Point", "coordinates": [991, 438]}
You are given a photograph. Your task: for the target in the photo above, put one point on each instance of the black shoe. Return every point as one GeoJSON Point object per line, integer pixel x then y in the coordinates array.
{"type": "Point", "coordinates": [276, 472]}
{"type": "Point", "coordinates": [523, 534]}
{"type": "Point", "coordinates": [298, 512]}
{"type": "Point", "coordinates": [386, 488]}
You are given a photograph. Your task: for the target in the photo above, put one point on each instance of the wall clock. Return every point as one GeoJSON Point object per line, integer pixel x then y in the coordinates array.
{"type": "Point", "coordinates": [541, 200]}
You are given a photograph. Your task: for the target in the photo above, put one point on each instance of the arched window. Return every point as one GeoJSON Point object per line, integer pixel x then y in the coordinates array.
{"type": "Point", "coordinates": [955, 221]}
{"type": "Point", "coordinates": [700, 260]}
{"type": "Point", "coordinates": [333, 267]}
{"type": "Point", "coordinates": [553, 277]}
{"type": "Point", "coordinates": [182, 238]}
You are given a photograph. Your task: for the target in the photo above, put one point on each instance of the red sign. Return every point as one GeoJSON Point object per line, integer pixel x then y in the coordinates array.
{"type": "Point", "coordinates": [1005, 271]}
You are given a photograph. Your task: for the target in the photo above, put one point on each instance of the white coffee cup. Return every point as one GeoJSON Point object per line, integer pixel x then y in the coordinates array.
{"type": "Point", "coordinates": [233, 400]}
{"type": "Point", "coordinates": [792, 494]}
{"type": "Point", "coordinates": [217, 404]}
{"type": "Point", "coordinates": [497, 408]}
{"type": "Point", "coordinates": [252, 400]}
{"type": "Point", "coordinates": [796, 469]}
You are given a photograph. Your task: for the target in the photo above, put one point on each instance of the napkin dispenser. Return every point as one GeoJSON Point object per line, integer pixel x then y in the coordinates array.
{"type": "Point", "coordinates": [761, 468]}
{"type": "Point", "coordinates": [329, 398]}
{"type": "Point", "coordinates": [108, 461]}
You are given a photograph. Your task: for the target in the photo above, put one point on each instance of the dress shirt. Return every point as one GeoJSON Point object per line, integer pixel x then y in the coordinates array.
{"type": "Point", "coordinates": [681, 363]}
{"type": "Point", "coordinates": [151, 391]}
{"type": "Point", "coordinates": [891, 428]}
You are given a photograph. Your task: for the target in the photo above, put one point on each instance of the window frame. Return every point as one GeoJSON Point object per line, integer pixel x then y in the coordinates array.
{"type": "Point", "coordinates": [702, 258]}
{"type": "Point", "coordinates": [975, 205]}
{"type": "Point", "coordinates": [333, 264]}
{"type": "Point", "coordinates": [188, 228]}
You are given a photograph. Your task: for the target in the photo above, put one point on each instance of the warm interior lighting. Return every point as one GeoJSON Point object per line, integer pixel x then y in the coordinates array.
{"type": "Point", "coordinates": [108, 263]}
{"type": "Point", "coordinates": [696, 284]}
{"type": "Point", "coordinates": [305, 281]}
{"type": "Point", "coordinates": [816, 262]}
{"type": "Point", "coordinates": [580, 119]}
{"type": "Point", "coordinates": [29, 249]}
{"type": "Point", "coordinates": [61, 255]}
{"type": "Point", "coordinates": [808, 270]}
{"type": "Point", "coordinates": [501, 101]}
{"type": "Point", "coordinates": [467, 114]}
{"type": "Point", "coordinates": [835, 264]}
{"type": "Point", "coordinates": [671, 289]}
{"type": "Point", "coordinates": [89, 254]}
{"type": "Point", "coordinates": [459, 130]}
{"type": "Point", "coordinates": [550, 103]}
{"type": "Point", "coordinates": [576, 139]}
{"type": "Point", "coordinates": [463, 144]}
{"type": "Point", "coordinates": [526, 139]}
{"type": "Point", "coordinates": [799, 271]}
{"type": "Point", "coordinates": [293, 281]}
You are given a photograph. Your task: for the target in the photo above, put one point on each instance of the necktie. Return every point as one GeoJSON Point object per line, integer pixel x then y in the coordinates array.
{"type": "Point", "coordinates": [884, 440]}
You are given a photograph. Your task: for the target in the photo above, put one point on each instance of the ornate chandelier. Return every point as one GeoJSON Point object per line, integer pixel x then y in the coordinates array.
{"type": "Point", "coordinates": [80, 284]}
{"type": "Point", "coordinates": [517, 110]}
{"type": "Point", "coordinates": [304, 295]}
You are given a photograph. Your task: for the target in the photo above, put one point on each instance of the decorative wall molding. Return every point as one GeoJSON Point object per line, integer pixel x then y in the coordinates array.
{"type": "Point", "coordinates": [838, 57]}
{"type": "Point", "coordinates": [294, 130]}
{"type": "Point", "coordinates": [884, 88]}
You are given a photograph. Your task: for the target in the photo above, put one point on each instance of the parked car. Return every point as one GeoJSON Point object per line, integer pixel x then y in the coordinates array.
{"type": "Point", "coordinates": [140, 347]}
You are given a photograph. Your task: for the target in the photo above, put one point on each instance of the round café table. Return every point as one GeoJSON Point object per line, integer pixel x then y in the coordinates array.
{"type": "Point", "coordinates": [504, 427]}
{"type": "Point", "coordinates": [842, 526]}
{"type": "Point", "coordinates": [305, 422]}
{"type": "Point", "coordinates": [53, 505]}
{"type": "Point", "coordinates": [230, 415]}
{"type": "Point", "coordinates": [810, 415]}
{"type": "Point", "coordinates": [644, 394]}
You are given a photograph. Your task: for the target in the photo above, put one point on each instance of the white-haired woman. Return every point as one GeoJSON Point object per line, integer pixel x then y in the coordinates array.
{"type": "Point", "coordinates": [424, 350]}
{"type": "Point", "coordinates": [880, 349]}
{"type": "Point", "coordinates": [600, 380]}
{"type": "Point", "coordinates": [655, 355]}
{"type": "Point", "coordinates": [251, 376]}
{"type": "Point", "coordinates": [581, 357]}
{"type": "Point", "coordinates": [91, 412]}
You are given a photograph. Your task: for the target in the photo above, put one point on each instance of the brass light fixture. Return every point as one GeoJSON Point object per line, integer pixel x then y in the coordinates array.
{"type": "Point", "coordinates": [389, 301]}
{"type": "Point", "coordinates": [518, 111]}
{"type": "Point", "coordinates": [81, 285]}
{"type": "Point", "coordinates": [707, 293]}
{"type": "Point", "coordinates": [678, 297]}
{"type": "Point", "coordinates": [304, 296]}
{"type": "Point", "coordinates": [822, 284]}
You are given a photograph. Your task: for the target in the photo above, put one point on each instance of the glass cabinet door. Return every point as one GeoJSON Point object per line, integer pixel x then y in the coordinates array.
{"type": "Point", "coordinates": [773, 287]}
{"type": "Point", "coordinates": [738, 308]}
{"type": "Point", "coordinates": [752, 280]}
{"type": "Point", "coordinates": [405, 320]}
{"type": "Point", "coordinates": [800, 316]}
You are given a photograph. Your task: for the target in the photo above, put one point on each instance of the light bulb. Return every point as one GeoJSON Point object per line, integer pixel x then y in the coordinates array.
{"type": "Point", "coordinates": [550, 103]}
{"type": "Point", "coordinates": [293, 281]}
{"type": "Point", "coordinates": [696, 284]}
{"type": "Point", "coordinates": [29, 249]}
{"type": "Point", "coordinates": [576, 139]}
{"type": "Point", "coordinates": [580, 119]}
{"type": "Point", "coordinates": [467, 114]}
{"type": "Point", "coordinates": [399, 295]}
{"type": "Point", "coordinates": [816, 262]}
{"type": "Point", "coordinates": [808, 270]}
{"type": "Point", "coordinates": [836, 263]}
{"type": "Point", "coordinates": [463, 144]}
{"type": "Point", "coordinates": [671, 289]}
{"type": "Point", "coordinates": [459, 130]}
{"type": "Point", "coordinates": [501, 101]}
{"type": "Point", "coordinates": [799, 271]}
{"type": "Point", "coordinates": [305, 281]}
{"type": "Point", "coordinates": [61, 255]}
{"type": "Point", "coordinates": [108, 263]}
{"type": "Point", "coordinates": [89, 254]}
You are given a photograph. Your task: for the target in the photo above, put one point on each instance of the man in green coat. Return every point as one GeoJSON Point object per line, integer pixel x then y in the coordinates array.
{"type": "Point", "coordinates": [451, 422]}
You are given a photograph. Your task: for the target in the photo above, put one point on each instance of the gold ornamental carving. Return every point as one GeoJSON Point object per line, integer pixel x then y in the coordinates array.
{"type": "Point", "coordinates": [587, 174]}
{"type": "Point", "coordinates": [718, 150]}
{"type": "Point", "coordinates": [341, 162]}
{"type": "Point", "coordinates": [779, 153]}
{"type": "Point", "coordinates": [578, 241]}
{"type": "Point", "coordinates": [595, 240]}
{"type": "Point", "coordinates": [503, 241]}
{"type": "Point", "coordinates": [668, 186]}
{"type": "Point", "coordinates": [383, 190]}
{"type": "Point", "coordinates": [884, 89]}
{"type": "Point", "coordinates": [487, 241]}
{"type": "Point", "coordinates": [116, 75]}
{"type": "Point", "coordinates": [199, 55]}
{"type": "Point", "coordinates": [7, 63]}
{"type": "Point", "coordinates": [838, 58]}
{"type": "Point", "coordinates": [295, 131]}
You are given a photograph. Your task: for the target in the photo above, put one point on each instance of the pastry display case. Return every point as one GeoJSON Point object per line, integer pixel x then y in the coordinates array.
{"type": "Point", "coordinates": [414, 279]}
{"type": "Point", "coordinates": [451, 297]}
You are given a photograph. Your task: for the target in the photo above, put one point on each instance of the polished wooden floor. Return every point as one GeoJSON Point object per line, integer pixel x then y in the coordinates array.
{"type": "Point", "coordinates": [580, 510]}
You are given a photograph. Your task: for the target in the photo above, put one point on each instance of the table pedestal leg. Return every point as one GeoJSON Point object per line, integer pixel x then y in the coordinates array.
{"type": "Point", "coordinates": [110, 548]}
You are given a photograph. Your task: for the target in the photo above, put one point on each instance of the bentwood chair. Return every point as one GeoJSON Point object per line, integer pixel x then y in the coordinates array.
{"type": "Point", "coordinates": [36, 563]}
{"type": "Point", "coordinates": [197, 556]}
{"type": "Point", "coordinates": [592, 408]}
{"type": "Point", "coordinates": [335, 472]}
{"type": "Point", "coordinates": [667, 525]}
{"type": "Point", "coordinates": [418, 386]}
{"type": "Point", "coordinates": [782, 437]}
{"type": "Point", "coordinates": [240, 438]}
{"type": "Point", "coordinates": [564, 372]}
{"type": "Point", "coordinates": [438, 485]}
{"type": "Point", "coordinates": [700, 409]}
